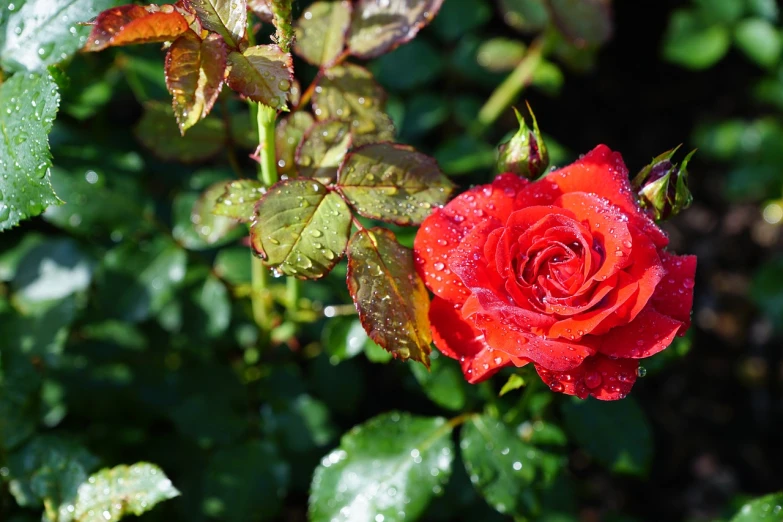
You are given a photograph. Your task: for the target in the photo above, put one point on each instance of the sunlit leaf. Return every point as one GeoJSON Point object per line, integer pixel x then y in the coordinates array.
{"type": "Point", "coordinates": [289, 133]}
{"type": "Point", "coordinates": [228, 18]}
{"type": "Point", "coordinates": [322, 150]}
{"type": "Point", "coordinates": [157, 130]}
{"type": "Point", "coordinates": [692, 43]}
{"type": "Point", "coordinates": [194, 76]}
{"type": "Point", "coordinates": [343, 338]}
{"type": "Point", "coordinates": [389, 467]}
{"type": "Point", "coordinates": [134, 24]}
{"type": "Point", "coordinates": [263, 73]}
{"type": "Point", "coordinates": [211, 226]}
{"type": "Point", "coordinates": [320, 31]}
{"type": "Point", "coordinates": [584, 22]}
{"type": "Point", "coordinates": [388, 293]}
{"type": "Point", "coordinates": [443, 382]}
{"type": "Point", "coordinates": [349, 93]}
{"type": "Point", "coordinates": [760, 40]}
{"type": "Point", "coordinates": [39, 33]}
{"type": "Point", "coordinates": [764, 509]}
{"type": "Point", "coordinates": [393, 183]}
{"type": "Point", "coordinates": [110, 494]}
{"type": "Point", "coordinates": [527, 16]}
{"type": "Point", "coordinates": [301, 228]}
{"type": "Point", "coordinates": [239, 199]}
{"type": "Point", "coordinates": [378, 27]}
{"type": "Point", "coordinates": [29, 105]}
{"type": "Point", "coordinates": [514, 382]}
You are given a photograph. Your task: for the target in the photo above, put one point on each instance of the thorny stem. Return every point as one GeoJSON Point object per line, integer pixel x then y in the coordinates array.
{"type": "Point", "coordinates": [505, 94]}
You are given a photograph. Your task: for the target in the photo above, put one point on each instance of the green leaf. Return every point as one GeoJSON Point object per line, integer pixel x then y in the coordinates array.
{"type": "Point", "coordinates": [456, 19]}
{"type": "Point", "coordinates": [20, 385]}
{"type": "Point", "coordinates": [767, 290]}
{"type": "Point", "coordinates": [157, 130]}
{"type": "Point", "coordinates": [514, 382]}
{"type": "Point", "coordinates": [238, 199]}
{"type": "Point", "coordinates": [209, 225]}
{"type": "Point", "coordinates": [29, 105]}
{"type": "Point", "coordinates": [393, 183]}
{"type": "Point", "coordinates": [584, 22]}
{"type": "Point", "coordinates": [288, 136]}
{"type": "Point", "coordinates": [375, 353]}
{"type": "Point", "coordinates": [322, 150]}
{"type": "Point", "coordinates": [721, 11]}
{"type": "Point", "coordinates": [764, 8]}
{"type": "Point", "coordinates": [390, 467]}
{"type": "Point", "coordinates": [194, 76]}
{"type": "Point", "coordinates": [110, 494]}
{"type": "Point", "coordinates": [320, 31]}
{"type": "Point", "coordinates": [615, 433]}
{"type": "Point", "coordinates": [42, 331]}
{"type": "Point", "coordinates": [196, 227]}
{"type": "Point", "coordinates": [465, 155]}
{"type": "Point", "coordinates": [343, 338]}
{"type": "Point", "coordinates": [764, 509]}
{"type": "Point", "coordinates": [263, 73]}
{"type": "Point", "coordinates": [759, 40]}
{"type": "Point", "coordinates": [378, 28]}
{"type": "Point", "coordinates": [40, 33]}
{"type": "Point", "coordinates": [349, 93]}
{"type": "Point", "coordinates": [424, 113]}
{"type": "Point", "coordinates": [692, 43]}
{"type": "Point", "coordinates": [245, 482]}
{"type": "Point", "coordinates": [215, 302]}
{"type": "Point", "coordinates": [528, 16]}
{"type": "Point", "coordinates": [301, 228]}
{"type": "Point", "coordinates": [409, 67]}
{"type": "Point", "coordinates": [501, 467]}
{"type": "Point", "coordinates": [500, 54]}
{"type": "Point", "coordinates": [48, 470]}
{"type": "Point", "coordinates": [228, 18]}
{"type": "Point", "coordinates": [443, 382]}
{"type": "Point", "coordinates": [388, 293]}
{"type": "Point", "coordinates": [233, 265]}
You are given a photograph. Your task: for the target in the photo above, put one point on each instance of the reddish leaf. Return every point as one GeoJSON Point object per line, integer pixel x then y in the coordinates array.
{"type": "Point", "coordinates": [389, 295]}
{"type": "Point", "coordinates": [133, 24]}
{"type": "Point", "coordinates": [228, 18]}
{"type": "Point", "coordinates": [263, 73]}
{"type": "Point", "coordinates": [262, 9]}
{"type": "Point", "coordinates": [195, 70]}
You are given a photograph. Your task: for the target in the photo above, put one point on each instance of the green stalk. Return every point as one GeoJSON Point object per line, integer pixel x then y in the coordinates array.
{"type": "Point", "coordinates": [266, 138]}
{"type": "Point", "coordinates": [508, 91]}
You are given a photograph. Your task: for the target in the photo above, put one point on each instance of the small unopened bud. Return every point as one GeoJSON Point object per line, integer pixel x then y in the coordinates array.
{"type": "Point", "coordinates": [662, 186]}
{"type": "Point", "coordinates": [525, 153]}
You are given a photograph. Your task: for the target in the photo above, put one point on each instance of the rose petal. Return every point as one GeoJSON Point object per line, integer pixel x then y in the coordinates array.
{"type": "Point", "coordinates": [443, 230]}
{"type": "Point", "coordinates": [648, 334]}
{"type": "Point", "coordinates": [601, 172]}
{"type": "Point", "coordinates": [460, 340]}
{"type": "Point", "coordinates": [674, 294]}
{"type": "Point", "coordinates": [603, 378]}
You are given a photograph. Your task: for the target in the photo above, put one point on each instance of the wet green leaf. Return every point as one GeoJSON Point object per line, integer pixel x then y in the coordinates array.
{"type": "Point", "coordinates": [228, 18]}
{"type": "Point", "coordinates": [209, 225]}
{"type": "Point", "coordinates": [29, 105]}
{"type": "Point", "coordinates": [584, 22]}
{"type": "Point", "coordinates": [615, 433]}
{"type": "Point", "coordinates": [157, 130]}
{"type": "Point", "coordinates": [768, 508]}
{"type": "Point", "coordinates": [393, 183]}
{"type": "Point", "coordinates": [322, 150]}
{"type": "Point", "coordinates": [760, 40]}
{"type": "Point", "coordinates": [301, 228]}
{"type": "Point", "coordinates": [379, 27]}
{"type": "Point", "coordinates": [39, 33]}
{"type": "Point", "coordinates": [288, 135]}
{"type": "Point", "coordinates": [349, 93]}
{"type": "Point", "coordinates": [388, 293]}
{"type": "Point", "coordinates": [239, 199]}
{"type": "Point", "coordinates": [692, 43]}
{"type": "Point", "coordinates": [390, 466]}
{"type": "Point", "coordinates": [527, 16]}
{"type": "Point", "coordinates": [320, 31]}
{"type": "Point", "coordinates": [263, 73]}
{"type": "Point", "coordinates": [343, 338]}
{"type": "Point", "coordinates": [443, 382]}
{"type": "Point", "coordinates": [110, 494]}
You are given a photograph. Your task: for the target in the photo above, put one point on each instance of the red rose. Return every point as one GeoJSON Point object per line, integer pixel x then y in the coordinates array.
{"type": "Point", "coordinates": [566, 272]}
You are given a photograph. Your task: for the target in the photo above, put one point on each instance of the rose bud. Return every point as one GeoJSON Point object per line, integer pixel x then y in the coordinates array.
{"type": "Point", "coordinates": [662, 186]}
{"type": "Point", "coordinates": [525, 153]}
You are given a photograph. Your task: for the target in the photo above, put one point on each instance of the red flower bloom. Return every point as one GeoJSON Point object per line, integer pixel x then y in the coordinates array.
{"type": "Point", "coordinates": [566, 272]}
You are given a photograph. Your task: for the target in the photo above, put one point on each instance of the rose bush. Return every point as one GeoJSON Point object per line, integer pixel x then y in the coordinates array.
{"type": "Point", "coordinates": [566, 272]}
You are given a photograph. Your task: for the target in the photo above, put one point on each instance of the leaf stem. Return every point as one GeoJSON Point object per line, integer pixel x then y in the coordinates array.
{"type": "Point", "coordinates": [266, 117]}
{"type": "Point", "coordinates": [311, 88]}
{"type": "Point", "coordinates": [508, 91]}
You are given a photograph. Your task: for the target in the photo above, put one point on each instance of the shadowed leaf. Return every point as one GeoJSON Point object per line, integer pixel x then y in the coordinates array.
{"type": "Point", "coordinates": [133, 24]}
{"type": "Point", "coordinates": [378, 27]}
{"type": "Point", "coordinates": [389, 295]}
{"type": "Point", "coordinates": [157, 130]}
{"type": "Point", "coordinates": [388, 468]}
{"type": "Point", "coordinates": [262, 73]}
{"type": "Point", "coordinates": [29, 105]}
{"type": "Point", "coordinates": [393, 183]}
{"type": "Point", "coordinates": [584, 22]}
{"type": "Point", "coordinates": [210, 226]}
{"type": "Point", "coordinates": [320, 32]}
{"type": "Point", "coordinates": [112, 493]}
{"type": "Point", "coordinates": [527, 16]}
{"type": "Point", "coordinates": [228, 18]}
{"type": "Point", "coordinates": [322, 150]}
{"type": "Point", "coordinates": [350, 94]}
{"type": "Point", "coordinates": [288, 136]}
{"type": "Point", "coordinates": [238, 200]}
{"type": "Point", "coordinates": [301, 228]}
{"type": "Point", "coordinates": [194, 76]}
